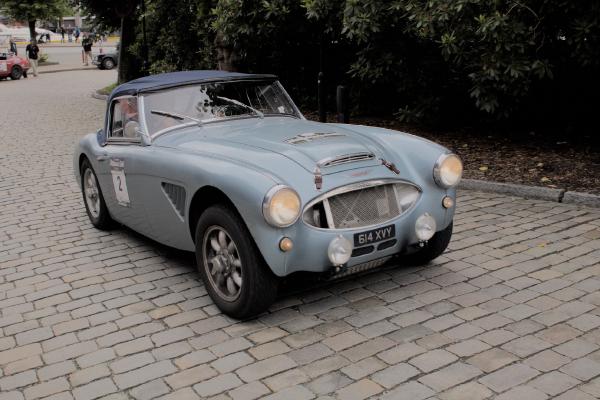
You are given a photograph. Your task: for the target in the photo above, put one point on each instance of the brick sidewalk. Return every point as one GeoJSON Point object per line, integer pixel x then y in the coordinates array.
{"type": "Point", "coordinates": [511, 311]}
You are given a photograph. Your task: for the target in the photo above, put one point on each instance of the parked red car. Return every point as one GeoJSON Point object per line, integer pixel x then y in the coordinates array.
{"type": "Point", "coordinates": [13, 66]}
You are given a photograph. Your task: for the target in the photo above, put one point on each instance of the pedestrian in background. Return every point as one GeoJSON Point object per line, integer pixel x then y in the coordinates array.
{"type": "Point", "coordinates": [62, 34]}
{"type": "Point", "coordinates": [32, 50]}
{"type": "Point", "coordinates": [13, 47]}
{"type": "Point", "coordinates": [87, 43]}
{"type": "Point", "coordinates": [77, 33]}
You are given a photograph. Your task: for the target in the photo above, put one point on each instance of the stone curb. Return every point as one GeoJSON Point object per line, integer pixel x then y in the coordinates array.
{"type": "Point", "coordinates": [99, 96]}
{"type": "Point", "coordinates": [583, 199]}
{"type": "Point", "coordinates": [532, 192]}
{"type": "Point", "coordinates": [65, 70]}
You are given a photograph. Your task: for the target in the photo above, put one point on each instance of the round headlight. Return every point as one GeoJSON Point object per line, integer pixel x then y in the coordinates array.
{"type": "Point", "coordinates": [281, 206]}
{"type": "Point", "coordinates": [448, 170]}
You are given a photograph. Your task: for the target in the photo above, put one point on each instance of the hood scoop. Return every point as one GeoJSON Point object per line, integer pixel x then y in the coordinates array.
{"type": "Point", "coordinates": [345, 159]}
{"type": "Point", "coordinates": [338, 160]}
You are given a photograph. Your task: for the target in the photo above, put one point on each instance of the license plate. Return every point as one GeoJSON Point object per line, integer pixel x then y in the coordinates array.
{"type": "Point", "coordinates": [375, 235]}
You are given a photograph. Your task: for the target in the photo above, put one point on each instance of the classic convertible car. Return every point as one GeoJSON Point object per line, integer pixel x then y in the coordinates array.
{"type": "Point", "coordinates": [225, 165]}
{"type": "Point", "coordinates": [13, 66]}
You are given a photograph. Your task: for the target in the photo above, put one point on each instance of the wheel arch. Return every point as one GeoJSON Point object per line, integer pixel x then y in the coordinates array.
{"type": "Point", "coordinates": [203, 198]}
{"type": "Point", "coordinates": [82, 158]}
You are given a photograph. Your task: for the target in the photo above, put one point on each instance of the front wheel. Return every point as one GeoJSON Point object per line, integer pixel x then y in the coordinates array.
{"type": "Point", "coordinates": [433, 248]}
{"type": "Point", "coordinates": [93, 199]}
{"type": "Point", "coordinates": [233, 270]}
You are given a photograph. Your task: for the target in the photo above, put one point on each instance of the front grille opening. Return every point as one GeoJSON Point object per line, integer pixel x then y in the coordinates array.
{"type": "Point", "coordinates": [367, 206]}
{"type": "Point", "coordinates": [316, 216]}
{"type": "Point", "coordinates": [372, 205]}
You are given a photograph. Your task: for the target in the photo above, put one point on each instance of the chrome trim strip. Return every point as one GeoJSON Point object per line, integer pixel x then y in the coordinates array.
{"type": "Point", "coordinates": [328, 214]}
{"type": "Point", "coordinates": [172, 128]}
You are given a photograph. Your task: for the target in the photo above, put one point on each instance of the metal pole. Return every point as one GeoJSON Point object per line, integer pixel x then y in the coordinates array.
{"type": "Point", "coordinates": [144, 40]}
{"type": "Point", "coordinates": [321, 87]}
{"type": "Point", "coordinates": [322, 97]}
{"type": "Point", "coordinates": [342, 104]}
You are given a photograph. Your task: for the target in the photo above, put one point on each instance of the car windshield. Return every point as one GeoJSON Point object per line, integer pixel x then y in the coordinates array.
{"type": "Point", "coordinates": [216, 101]}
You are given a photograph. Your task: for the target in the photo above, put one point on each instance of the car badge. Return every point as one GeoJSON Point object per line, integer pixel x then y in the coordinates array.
{"type": "Point", "coordinates": [359, 173]}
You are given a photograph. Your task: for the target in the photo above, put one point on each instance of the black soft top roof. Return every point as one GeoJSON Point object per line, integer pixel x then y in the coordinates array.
{"type": "Point", "coordinates": [173, 79]}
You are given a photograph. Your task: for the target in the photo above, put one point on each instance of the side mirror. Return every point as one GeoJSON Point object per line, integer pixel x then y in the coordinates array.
{"type": "Point", "coordinates": [132, 130]}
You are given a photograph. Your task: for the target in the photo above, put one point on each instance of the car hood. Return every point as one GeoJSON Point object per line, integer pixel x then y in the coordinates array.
{"type": "Point", "coordinates": [310, 144]}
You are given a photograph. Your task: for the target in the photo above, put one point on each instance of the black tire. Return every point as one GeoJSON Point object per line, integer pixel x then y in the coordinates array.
{"type": "Point", "coordinates": [101, 218]}
{"type": "Point", "coordinates": [433, 249]}
{"type": "Point", "coordinates": [259, 285]}
{"type": "Point", "coordinates": [108, 63]}
{"type": "Point", "coordinates": [16, 73]}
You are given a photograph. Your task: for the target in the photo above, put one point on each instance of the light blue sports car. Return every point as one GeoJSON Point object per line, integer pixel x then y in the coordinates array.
{"type": "Point", "coordinates": [225, 165]}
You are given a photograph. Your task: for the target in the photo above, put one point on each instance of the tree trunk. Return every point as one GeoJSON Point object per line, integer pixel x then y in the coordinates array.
{"type": "Point", "coordinates": [32, 31]}
{"type": "Point", "coordinates": [129, 67]}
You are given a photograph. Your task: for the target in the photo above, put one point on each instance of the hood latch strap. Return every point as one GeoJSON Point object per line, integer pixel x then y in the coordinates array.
{"type": "Point", "coordinates": [318, 178]}
{"type": "Point", "coordinates": [390, 166]}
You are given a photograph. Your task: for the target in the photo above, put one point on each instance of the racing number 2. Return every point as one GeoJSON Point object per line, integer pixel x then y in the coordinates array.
{"type": "Point", "coordinates": [117, 170]}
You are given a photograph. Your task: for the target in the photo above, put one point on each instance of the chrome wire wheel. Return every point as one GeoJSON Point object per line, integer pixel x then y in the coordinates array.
{"type": "Point", "coordinates": [92, 194]}
{"type": "Point", "coordinates": [222, 263]}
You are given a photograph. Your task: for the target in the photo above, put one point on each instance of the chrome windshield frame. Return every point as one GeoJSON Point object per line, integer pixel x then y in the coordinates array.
{"type": "Point", "coordinates": [154, 136]}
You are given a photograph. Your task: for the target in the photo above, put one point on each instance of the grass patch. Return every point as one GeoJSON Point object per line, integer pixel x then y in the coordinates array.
{"type": "Point", "coordinates": [106, 90]}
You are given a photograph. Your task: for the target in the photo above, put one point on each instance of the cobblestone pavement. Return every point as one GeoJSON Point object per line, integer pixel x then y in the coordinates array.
{"type": "Point", "coordinates": [511, 311]}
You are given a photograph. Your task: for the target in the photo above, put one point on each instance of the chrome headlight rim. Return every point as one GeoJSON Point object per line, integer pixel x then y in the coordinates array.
{"type": "Point", "coordinates": [437, 173]}
{"type": "Point", "coordinates": [267, 203]}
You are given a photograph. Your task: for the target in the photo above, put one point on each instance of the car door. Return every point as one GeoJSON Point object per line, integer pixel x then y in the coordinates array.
{"type": "Point", "coordinates": [121, 166]}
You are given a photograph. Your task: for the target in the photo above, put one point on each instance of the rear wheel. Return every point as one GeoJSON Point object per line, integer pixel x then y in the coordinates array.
{"type": "Point", "coordinates": [433, 248]}
{"type": "Point", "coordinates": [16, 73]}
{"type": "Point", "coordinates": [93, 199]}
{"type": "Point", "coordinates": [233, 270]}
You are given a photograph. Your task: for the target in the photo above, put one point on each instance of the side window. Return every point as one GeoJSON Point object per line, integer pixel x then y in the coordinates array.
{"type": "Point", "coordinates": [125, 119]}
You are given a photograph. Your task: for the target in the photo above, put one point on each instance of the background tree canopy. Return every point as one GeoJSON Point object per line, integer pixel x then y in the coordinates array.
{"type": "Point", "coordinates": [31, 11]}
{"type": "Point", "coordinates": [528, 63]}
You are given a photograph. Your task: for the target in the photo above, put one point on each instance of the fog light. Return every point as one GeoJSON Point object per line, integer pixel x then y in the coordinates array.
{"type": "Point", "coordinates": [339, 251]}
{"type": "Point", "coordinates": [286, 244]}
{"type": "Point", "coordinates": [447, 202]}
{"type": "Point", "coordinates": [425, 227]}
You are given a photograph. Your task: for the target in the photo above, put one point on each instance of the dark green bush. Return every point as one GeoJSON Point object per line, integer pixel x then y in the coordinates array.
{"type": "Point", "coordinates": [528, 63]}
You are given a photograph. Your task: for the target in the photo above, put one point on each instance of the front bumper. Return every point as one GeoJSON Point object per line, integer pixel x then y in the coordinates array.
{"type": "Point", "coordinates": [310, 244]}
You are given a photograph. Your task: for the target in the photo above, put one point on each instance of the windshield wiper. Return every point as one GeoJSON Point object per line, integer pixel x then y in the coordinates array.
{"type": "Point", "coordinates": [239, 103]}
{"type": "Point", "coordinates": [179, 117]}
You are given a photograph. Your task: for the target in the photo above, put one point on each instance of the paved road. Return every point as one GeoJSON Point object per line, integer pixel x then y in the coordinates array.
{"type": "Point", "coordinates": [510, 312]}
{"type": "Point", "coordinates": [67, 57]}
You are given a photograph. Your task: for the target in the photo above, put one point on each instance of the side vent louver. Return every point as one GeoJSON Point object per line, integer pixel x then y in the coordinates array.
{"type": "Point", "coordinates": [176, 195]}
